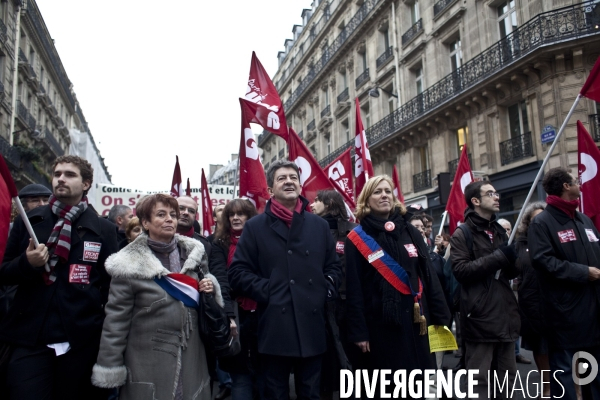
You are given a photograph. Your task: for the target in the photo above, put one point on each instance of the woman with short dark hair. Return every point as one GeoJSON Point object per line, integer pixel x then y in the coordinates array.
{"type": "Point", "coordinates": [151, 346]}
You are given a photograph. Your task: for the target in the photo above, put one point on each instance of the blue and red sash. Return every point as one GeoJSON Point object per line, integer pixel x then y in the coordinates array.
{"type": "Point", "coordinates": [181, 287]}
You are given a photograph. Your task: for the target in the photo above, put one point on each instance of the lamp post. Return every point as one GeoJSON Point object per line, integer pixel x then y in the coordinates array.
{"type": "Point", "coordinates": [375, 92]}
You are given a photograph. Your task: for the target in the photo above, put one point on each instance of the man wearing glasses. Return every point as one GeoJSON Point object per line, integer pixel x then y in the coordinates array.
{"type": "Point", "coordinates": [565, 250]}
{"type": "Point", "coordinates": [489, 314]}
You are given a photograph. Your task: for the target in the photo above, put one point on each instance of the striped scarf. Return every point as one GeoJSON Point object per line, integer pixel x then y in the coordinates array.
{"type": "Point", "coordinates": [59, 243]}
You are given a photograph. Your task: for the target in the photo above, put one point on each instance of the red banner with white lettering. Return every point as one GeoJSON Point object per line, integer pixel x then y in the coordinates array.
{"type": "Point", "coordinates": [207, 211]}
{"type": "Point", "coordinates": [456, 200]}
{"type": "Point", "coordinates": [363, 168]}
{"type": "Point", "coordinates": [176, 183]}
{"type": "Point", "coordinates": [397, 187]}
{"type": "Point", "coordinates": [340, 171]}
{"type": "Point", "coordinates": [589, 160]}
{"type": "Point", "coordinates": [253, 183]}
{"type": "Point", "coordinates": [262, 91]}
{"type": "Point", "coordinates": [8, 190]}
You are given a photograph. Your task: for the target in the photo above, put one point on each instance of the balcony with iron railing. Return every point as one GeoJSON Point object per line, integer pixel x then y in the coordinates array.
{"type": "Point", "coordinates": [52, 143]}
{"type": "Point", "coordinates": [9, 153]}
{"type": "Point", "coordinates": [387, 55]}
{"type": "Point", "coordinates": [545, 29]}
{"type": "Point", "coordinates": [3, 31]}
{"type": "Point", "coordinates": [516, 149]}
{"type": "Point", "coordinates": [422, 181]}
{"type": "Point", "coordinates": [453, 165]}
{"type": "Point", "coordinates": [595, 124]}
{"type": "Point", "coordinates": [345, 95]}
{"type": "Point", "coordinates": [22, 112]}
{"type": "Point", "coordinates": [441, 6]}
{"type": "Point", "coordinates": [34, 175]}
{"type": "Point", "coordinates": [326, 111]}
{"type": "Point", "coordinates": [412, 32]}
{"type": "Point", "coordinates": [362, 78]}
{"type": "Point", "coordinates": [311, 125]}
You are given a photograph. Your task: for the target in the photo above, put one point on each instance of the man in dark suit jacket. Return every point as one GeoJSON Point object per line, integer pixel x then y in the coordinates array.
{"type": "Point", "coordinates": [56, 319]}
{"type": "Point", "coordinates": [286, 261]}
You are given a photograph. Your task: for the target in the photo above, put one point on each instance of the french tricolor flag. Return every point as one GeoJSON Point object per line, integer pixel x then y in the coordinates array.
{"type": "Point", "coordinates": [181, 287]}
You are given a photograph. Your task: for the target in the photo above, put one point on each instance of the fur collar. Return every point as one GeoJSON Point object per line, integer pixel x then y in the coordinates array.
{"type": "Point", "coordinates": [137, 261]}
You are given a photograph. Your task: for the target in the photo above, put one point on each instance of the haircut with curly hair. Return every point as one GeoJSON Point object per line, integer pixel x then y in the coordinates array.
{"type": "Point", "coordinates": [85, 168]}
{"type": "Point", "coordinates": [242, 206]}
{"type": "Point", "coordinates": [528, 216]}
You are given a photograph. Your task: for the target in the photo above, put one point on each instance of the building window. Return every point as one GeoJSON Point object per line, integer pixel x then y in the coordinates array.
{"type": "Point", "coordinates": [328, 144]}
{"type": "Point", "coordinates": [326, 96]}
{"type": "Point", "coordinates": [366, 117]}
{"type": "Point", "coordinates": [423, 158]}
{"type": "Point", "coordinates": [507, 18]}
{"type": "Point", "coordinates": [419, 80]}
{"type": "Point", "coordinates": [415, 15]}
{"type": "Point", "coordinates": [517, 119]}
{"type": "Point", "coordinates": [345, 128]}
{"type": "Point", "coordinates": [455, 55]}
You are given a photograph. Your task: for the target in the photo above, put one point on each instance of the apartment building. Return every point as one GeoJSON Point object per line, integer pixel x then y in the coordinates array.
{"type": "Point", "coordinates": [432, 75]}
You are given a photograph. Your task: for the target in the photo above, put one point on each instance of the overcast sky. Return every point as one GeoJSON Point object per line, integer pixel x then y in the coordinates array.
{"type": "Point", "coordinates": [157, 79]}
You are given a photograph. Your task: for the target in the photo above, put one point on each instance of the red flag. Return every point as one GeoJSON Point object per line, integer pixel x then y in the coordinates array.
{"type": "Point", "coordinates": [188, 189]}
{"type": "Point", "coordinates": [340, 171]}
{"type": "Point", "coordinates": [456, 200]}
{"type": "Point", "coordinates": [262, 91]}
{"type": "Point", "coordinates": [8, 190]}
{"type": "Point", "coordinates": [207, 211]}
{"type": "Point", "coordinates": [363, 168]}
{"type": "Point", "coordinates": [176, 184]}
{"type": "Point", "coordinates": [312, 177]}
{"type": "Point", "coordinates": [253, 183]}
{"type": "Point", "coordinates": [591, 87]}
{"type": "Point", "coordinates": [589, 159]}
{"type": "Point", "coordinates": [397, 187]}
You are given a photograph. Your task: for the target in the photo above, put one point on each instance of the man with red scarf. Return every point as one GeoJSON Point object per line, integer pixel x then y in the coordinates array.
{"type": "Point", "coordinates": [55, 323]}
{"type": "Point", "coordinates": [565, 250]}
{"type": "Point", "coordinates": [286, 261]}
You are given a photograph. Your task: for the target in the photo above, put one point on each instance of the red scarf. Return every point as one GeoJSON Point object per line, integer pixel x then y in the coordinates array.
{"type": "Point", "coordinates": [568, 207]}
{"type": "Point", "coordinates": [189, 233]}
{"type": "Point", "coordinates": [244, 302]}
{"type": "Point", "coordinates": [283, 213]}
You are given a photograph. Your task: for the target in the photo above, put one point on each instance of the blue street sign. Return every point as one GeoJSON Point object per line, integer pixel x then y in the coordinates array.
{"type": "Point", "coordinates": [548, 134]}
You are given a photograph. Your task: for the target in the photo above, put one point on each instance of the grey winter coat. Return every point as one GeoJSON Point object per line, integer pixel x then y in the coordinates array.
{"type": "Point", "coordinates": [149, 339]}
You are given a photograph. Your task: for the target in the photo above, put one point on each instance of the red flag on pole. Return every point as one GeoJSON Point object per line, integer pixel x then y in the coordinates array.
{"type": "Point", "coordinates": [262, 92]}
{"type": "Point", "coordinates": [397, 187]}
{"type": "Point", "coordinates": [456, 200]}
{"type": "Point", "coordinates": [591, 87]}
{"type": "Point", "coordinates": [253, 183]}
{"type": "Point", "coordinates": [188, 189]}
{"type": "Point", "coordinates": [207, 211]}
{"type": "Point", "coordinates": [8, 190]}
{"type": "Point", "coordinates": [176, 183]}
{"type": "Point", "coordinates": [589, 159]}
{"type": "Point", "coordinates": [340, 171]}
{"type": "Point", "coordinates": [363, 168]}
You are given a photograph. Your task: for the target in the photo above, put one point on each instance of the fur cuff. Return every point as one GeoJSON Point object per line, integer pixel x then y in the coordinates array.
{"type": "Point", "coordinates": [216, 289]}
{"type": "Point", "coordinates": [109, 377]}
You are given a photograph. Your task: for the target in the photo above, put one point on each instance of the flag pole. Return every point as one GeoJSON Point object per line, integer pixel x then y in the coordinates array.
{"type": "Point", "coordinates": [23, 214]}
{"type": "Point", "coordinates": [444, 215]}
{"type": "Point", "coordinates": [235, 174]}
{"type": "Point", "coordinates": [541, 171]}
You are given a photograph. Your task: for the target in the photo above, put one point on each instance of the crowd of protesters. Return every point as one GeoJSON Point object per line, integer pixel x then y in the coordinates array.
{"type": "Point", "coordinates": [121, 307]}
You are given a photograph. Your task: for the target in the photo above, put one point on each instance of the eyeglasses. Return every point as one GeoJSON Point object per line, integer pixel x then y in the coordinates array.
{"type": "Point", "coordinates": [492, 194]}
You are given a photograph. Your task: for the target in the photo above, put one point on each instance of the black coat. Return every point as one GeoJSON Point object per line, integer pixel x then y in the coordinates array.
{"type": "Point", "coordinates": [488, 307]}
{"type": "Point", "coordinates": [78, 308]}
{"type": "Point", "coordinates": [217, 263]}
{"type": "Point", "coordinates": [289, 272]}
{"type": "Point", "coordinates": [393, 346]}
{"type": "Point", "coordinates": [530, 295]}
{"type": "Point", "coordinates": [571, 302]}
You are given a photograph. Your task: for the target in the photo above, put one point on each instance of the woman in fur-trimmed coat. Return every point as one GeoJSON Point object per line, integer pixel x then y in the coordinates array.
{"type": "Point", "coordinates": [150, 344]}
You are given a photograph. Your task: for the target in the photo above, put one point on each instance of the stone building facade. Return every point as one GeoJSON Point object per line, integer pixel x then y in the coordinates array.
{"type": "Point", "coordinates": [41, 106]}
{"type": "Point", "coordinates": [495, 74]}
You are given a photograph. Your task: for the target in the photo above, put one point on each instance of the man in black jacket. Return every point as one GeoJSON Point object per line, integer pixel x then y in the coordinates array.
{"type": "Point", "coordinates": [285, 260]}
{"type": "Point", "coordinates": [489, 314]}
{"type": "Point", "coordinates": [56, 319]}
{"type": "Point", "coordinates": [565, 251]}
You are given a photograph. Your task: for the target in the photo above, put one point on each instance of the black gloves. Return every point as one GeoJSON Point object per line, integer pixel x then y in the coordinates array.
{"type": "Point", "coordinates": [509, 251]}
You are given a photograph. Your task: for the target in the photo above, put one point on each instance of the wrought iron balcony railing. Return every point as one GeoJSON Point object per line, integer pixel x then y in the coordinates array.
{"type": "Point", "coordinates": [551, 27]}
{"type": "Point", "coordinates": [311, 125]}
{"type": "Point", "coordinates": [9, 153]}
{"type": "Point", "coordinates": [422, 181]}
{"type": "Point", "coordinates": [343, 96]}
{"type": "Point", "coordinates": [31, 122]}
{"type": "Point", "coordinates": [515, 149]}
{"type": "Point", "coordinates": [453, 165]}
{"type": "Point", "coordinates": [22, 112]}
{"type": "Point", "coordinates": [595, 123]}
{"type": "Point", "coordinates": [34, 175]}
{"type": "Point", "coordinates": [331, 50]}
{"type": "Point", "coordinates": [440, 6]}
{"type": "Point", "coordinates": [53, 143]}
{"type": "Point", "coordinates": [412, 31]}
{"type": "Point", "coordinates": [1, 87]}
{"type": "Point", "coordinates": [362, 78]}
{"type": "Point", "coordinates": [281, 153]}
{"type": "Point", "coordinates": [3, 31]}
{"type": "Point", "coordinates": [326, 111]}
{"type": "Point", "coordinates": [22, 57]}
{"type": "Point", "coordinates": [385, 57]}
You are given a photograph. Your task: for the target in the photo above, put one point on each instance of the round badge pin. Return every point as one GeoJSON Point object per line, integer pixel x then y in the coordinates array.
{"type": "Point", "coordinates": [389, 226]}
